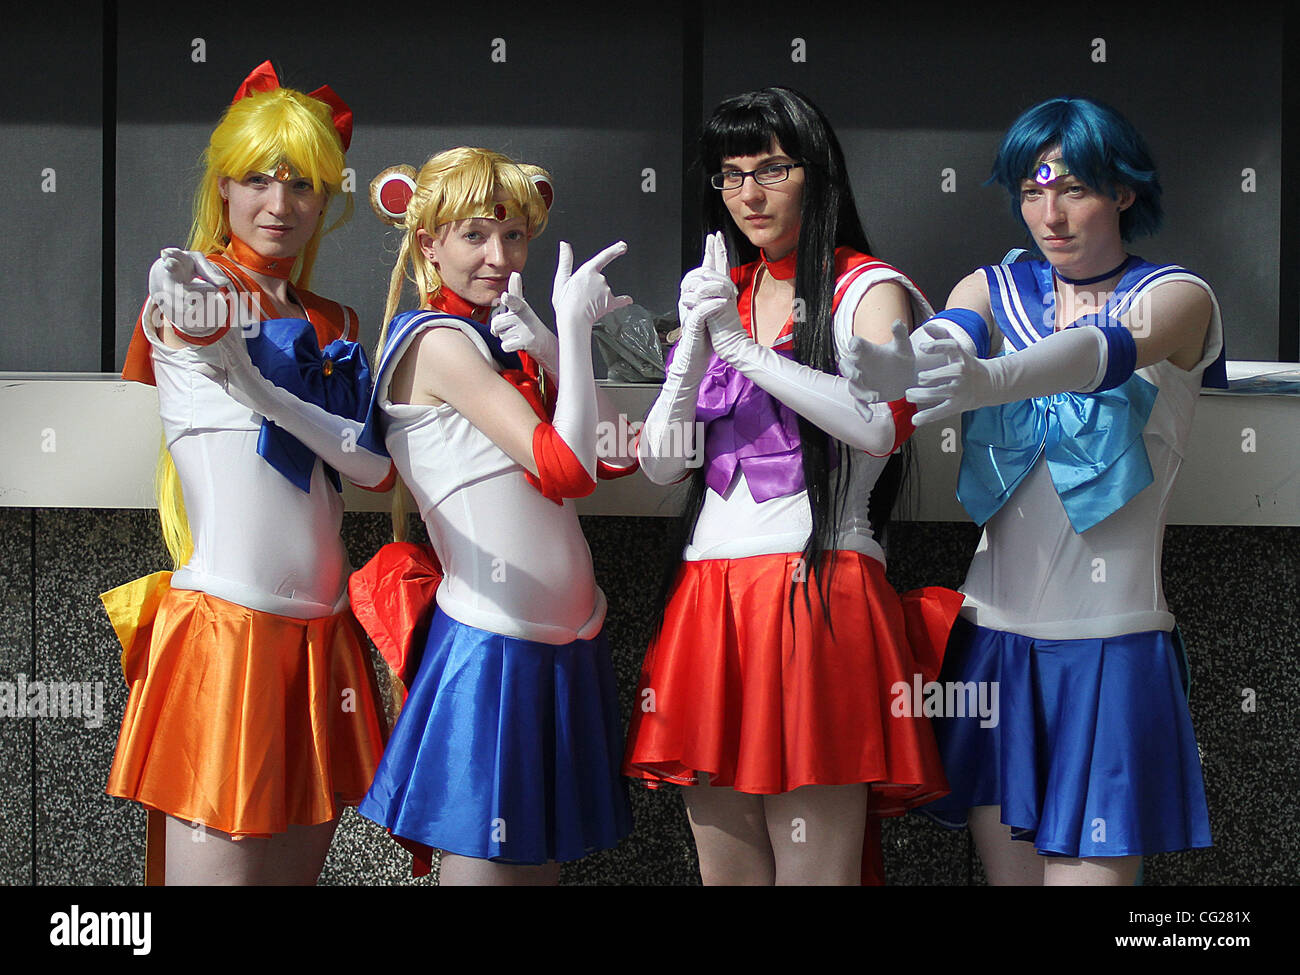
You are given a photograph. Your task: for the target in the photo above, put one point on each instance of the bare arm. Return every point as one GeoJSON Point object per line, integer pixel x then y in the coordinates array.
{"type": "Point", "coordinates": [443, 366]}
{"type": "Point", "coordinates": [882, 305]}
{"type": "Point", "coordinates": [972, 292]}
{"type": "Point", "coordinates": [1170, 322]}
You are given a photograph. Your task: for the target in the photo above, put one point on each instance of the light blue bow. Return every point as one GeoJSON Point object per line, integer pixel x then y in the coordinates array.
{"type": "Point", "coordinates": [1093, 443]}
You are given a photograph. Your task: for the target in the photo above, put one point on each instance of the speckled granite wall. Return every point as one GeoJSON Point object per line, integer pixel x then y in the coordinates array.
{"type": "Point", "coordinates": [15, 658]}
{"type": "Point", "coordinates": [1233, 589]}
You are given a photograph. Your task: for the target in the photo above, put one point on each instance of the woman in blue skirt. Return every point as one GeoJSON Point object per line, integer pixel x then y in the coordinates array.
{"type": "Point", "coordinates": [506, 753]}
{"type": "Point", "coordinates": [1075, 377]}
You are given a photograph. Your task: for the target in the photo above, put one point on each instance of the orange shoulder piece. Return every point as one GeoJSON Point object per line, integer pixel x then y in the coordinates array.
{"type": "Point", "coordinates": [139, 356]}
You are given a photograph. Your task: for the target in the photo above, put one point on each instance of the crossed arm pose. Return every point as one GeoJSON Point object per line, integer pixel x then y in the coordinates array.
{"type": "Point", "coordinates": [766, 690]}
{"type": "Point", "coordinates": [505, 755]}
{"type": "Point", "coordinates": [238, 661]}
{"type": "Point", "coordinates": [1075, 378]}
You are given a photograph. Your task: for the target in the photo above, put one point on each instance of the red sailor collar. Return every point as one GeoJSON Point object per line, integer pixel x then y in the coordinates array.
{"type": "Point", "coordinates": [784, 269]}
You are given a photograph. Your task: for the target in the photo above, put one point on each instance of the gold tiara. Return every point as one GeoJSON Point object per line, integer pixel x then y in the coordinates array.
{"type": "Point", "coordinates": [501, 211]}
{"type": "Point", "coordinates": [1050, 171]}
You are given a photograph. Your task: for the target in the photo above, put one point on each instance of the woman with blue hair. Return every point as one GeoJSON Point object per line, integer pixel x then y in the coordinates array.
{"type": "Point", "coordinates": [1077, 376]}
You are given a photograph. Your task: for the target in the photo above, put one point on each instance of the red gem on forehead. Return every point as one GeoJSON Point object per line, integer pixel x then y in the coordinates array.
{"type": "Point", "coordinates": [499, 211]}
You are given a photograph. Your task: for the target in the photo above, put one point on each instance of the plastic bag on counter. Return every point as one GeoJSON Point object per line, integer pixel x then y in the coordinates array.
{"type": "Point", "coordinates": [631, 342]}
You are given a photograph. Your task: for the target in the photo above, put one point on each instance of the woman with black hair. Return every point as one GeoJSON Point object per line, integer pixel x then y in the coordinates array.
{"type": "Point", "coordinates": [767, 688]}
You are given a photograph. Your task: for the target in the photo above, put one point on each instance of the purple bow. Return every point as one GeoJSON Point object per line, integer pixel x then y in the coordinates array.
{"type": "Point", "coordinates": [748, 428]}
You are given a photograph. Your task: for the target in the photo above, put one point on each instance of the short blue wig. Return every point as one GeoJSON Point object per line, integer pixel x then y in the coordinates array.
{"type": "Point", "coordinates": [1099, 145]}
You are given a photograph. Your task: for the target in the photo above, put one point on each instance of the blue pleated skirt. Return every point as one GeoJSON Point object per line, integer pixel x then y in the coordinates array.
{"type": "Point", "coordinates": [506, 749]}
{"type": "Point", "coordinates": [1092, 753]}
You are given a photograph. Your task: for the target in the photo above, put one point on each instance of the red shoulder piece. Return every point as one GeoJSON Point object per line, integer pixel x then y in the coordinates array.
{"type": "Point", "coordinates": [849, 261]}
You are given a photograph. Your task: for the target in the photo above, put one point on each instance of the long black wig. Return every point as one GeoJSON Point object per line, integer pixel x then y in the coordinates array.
{"type": "Point", "coordinates": [747, 125]}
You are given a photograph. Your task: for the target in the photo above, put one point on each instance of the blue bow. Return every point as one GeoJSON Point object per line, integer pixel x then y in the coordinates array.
{"type": "Point", "coordinates": [336, 378]}
{"type": "Point", "coordinates": [1093, 443]}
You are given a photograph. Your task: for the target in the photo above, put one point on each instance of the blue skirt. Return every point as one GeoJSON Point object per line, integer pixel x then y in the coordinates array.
{"type": "Point", "coordinates": [506, 749]}
{"type": "Point", "coordinates": [1090, 751]}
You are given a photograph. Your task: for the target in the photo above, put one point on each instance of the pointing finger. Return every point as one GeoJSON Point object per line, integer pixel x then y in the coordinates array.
{"type": "Point", "coordinates": [598, 263]}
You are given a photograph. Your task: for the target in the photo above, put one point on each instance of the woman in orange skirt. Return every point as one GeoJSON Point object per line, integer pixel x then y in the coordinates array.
{"type": "Point", "coordinates": [771, 689]}
{"type": "Point", "coordinates": [253, 714]}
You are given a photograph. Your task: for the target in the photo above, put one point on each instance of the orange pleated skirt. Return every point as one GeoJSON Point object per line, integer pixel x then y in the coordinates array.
{"type": "Point", "coordinates": [766, 701]}
{"type": "Point", "coordinates": [245, 722]}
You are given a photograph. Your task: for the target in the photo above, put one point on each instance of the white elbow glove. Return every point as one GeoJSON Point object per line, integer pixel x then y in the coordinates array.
{"type": "Point", "coordinates": [580, 298]}
{"type": "Point", "coordinates": [334, 439]}
{"type": "Point", "coordinates": [186, 287]}
{"type": "Point", "coordinates": [667, 440]}
{"type": "Point", "coordinates": [824, 399]}
{"type": "Point", "coordinates": [1072, 360]}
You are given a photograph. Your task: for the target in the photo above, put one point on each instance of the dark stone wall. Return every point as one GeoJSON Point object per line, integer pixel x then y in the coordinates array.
{"type": "Point", "coordinates": [1232, 588]}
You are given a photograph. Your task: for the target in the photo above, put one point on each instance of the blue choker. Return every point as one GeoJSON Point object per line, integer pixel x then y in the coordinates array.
{"type": "Point", "coordinates": [1100, 277]}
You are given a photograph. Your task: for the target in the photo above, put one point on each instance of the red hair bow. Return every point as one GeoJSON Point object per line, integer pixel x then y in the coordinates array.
{"type": "Point", "coordinates": [264, 78]}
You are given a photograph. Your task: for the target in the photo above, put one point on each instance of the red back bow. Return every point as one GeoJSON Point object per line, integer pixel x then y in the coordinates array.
{"type": "Point", "coordinates": [264, 78]}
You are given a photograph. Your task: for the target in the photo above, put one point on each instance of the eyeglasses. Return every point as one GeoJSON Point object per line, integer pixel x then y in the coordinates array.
{"type": "Point", "coordinates": [734, 179]}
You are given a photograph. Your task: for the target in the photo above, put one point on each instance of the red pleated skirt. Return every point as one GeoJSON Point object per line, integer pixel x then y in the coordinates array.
{"type": "Point", "coordinates": [246, 722]}
{"type": "Point", "coordinates": [766, 701]}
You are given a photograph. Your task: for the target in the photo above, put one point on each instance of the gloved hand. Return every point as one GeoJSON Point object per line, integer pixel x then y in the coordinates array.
{"type": "Point", "coordinates": [663, 455]}
{"type": "Point", "coordinates": [880, 373]}
{"type": "Point", "coordinates": [187, 288]}
{"type": "Point", "coordinates": [825, 399]}
{"type": "Point", "coordinates": [712, 279]}
{"type": "Point", "coordinates": [520, 330]}
{"type": "Point", "coordinates": [1072, 360]}
{"type": "Point", "coordinates": [580, 298]}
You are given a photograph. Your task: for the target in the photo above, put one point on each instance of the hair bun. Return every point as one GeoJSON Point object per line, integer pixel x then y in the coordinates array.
{"type": "Point", "coordinates": [542, 180]}
{"type": "Point", "coordinates": [391, 192]}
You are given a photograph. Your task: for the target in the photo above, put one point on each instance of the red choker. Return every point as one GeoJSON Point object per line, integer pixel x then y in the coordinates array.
{"type": "Point", "coordinates": [785, 268]}
{"type": "Point", "coordinates": [453, 304]}
{"type": "Point", "coordinates": [272, 267]}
